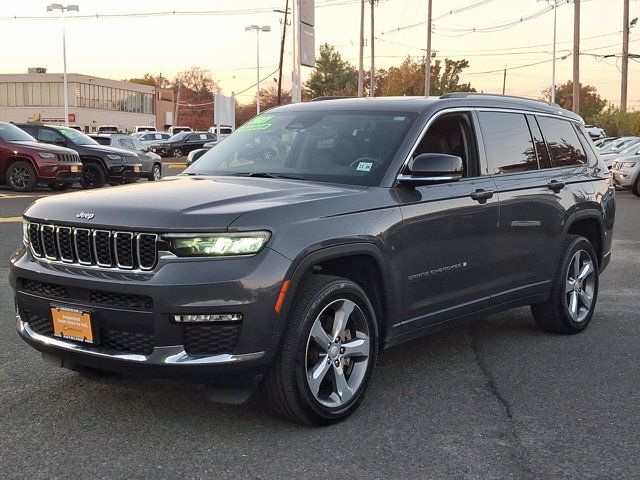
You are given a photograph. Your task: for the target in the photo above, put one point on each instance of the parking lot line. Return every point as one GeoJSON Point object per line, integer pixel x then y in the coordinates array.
{"type": "Point", "coordinates": [10, 196]}
{"type": "Point", "coordinates": [176, 165]}
{"type": "Point", "coordinates": [10, 219]}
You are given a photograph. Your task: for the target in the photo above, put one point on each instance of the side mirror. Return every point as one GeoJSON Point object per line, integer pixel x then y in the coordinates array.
{"type": "Point", "coordinates": [433, 168]}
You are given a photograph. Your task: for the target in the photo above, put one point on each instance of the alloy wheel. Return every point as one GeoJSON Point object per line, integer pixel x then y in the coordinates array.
{"type": "Point", "coordinates": [20, 177]}
{"type": "Point", "coordinates": [580, 286]}
{"type": "Point", "coordinates": [157, 174]}
{"type": "Point", "coordinates": [337, 353]}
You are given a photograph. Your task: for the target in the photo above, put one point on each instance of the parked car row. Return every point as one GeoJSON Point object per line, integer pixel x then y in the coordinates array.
{"type": "Point", "coordinates": [621, 155]}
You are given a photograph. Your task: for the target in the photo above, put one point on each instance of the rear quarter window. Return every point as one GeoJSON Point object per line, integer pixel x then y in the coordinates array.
{"type": "Point", "coordinates": [561, 137]}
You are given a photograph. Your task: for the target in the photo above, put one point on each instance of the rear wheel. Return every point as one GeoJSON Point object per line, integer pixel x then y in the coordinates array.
{"type": "Point", "coordinates": [156, 173]}
{"type": "Point", "coordinates": [21, 177]}
{"type": "Point", "coordinates": [575, 290]}
{"type": "Point", "coordinates": [328, 353]}
{"type": "Point", "coordinates": [93, 176]}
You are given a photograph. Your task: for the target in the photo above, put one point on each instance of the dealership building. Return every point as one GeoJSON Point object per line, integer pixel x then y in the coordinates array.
{"type": "Point", "coordinates": [93, 101]}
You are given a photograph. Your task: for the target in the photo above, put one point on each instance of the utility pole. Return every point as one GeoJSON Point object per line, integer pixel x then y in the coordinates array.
{"type": "Point", "coordinates": [373, 54]}
{"type": "Point", "coordinates": [576, 57]}
{"type": "Point", "coordinates": [175, 120]}
{"type": "Point", "coordinates": [361, 63]}
{"type": "Point", "coordinates": [504, 80]}
{"type": "Point", "coordinates": [296, 87]}
{"type": "Point", "coordinates": [625, 56]}
{"type": "Point", "coordinates": [284, 34]}
{"type": "Point", "coordinates": [553, 70]}
{"type": "Point", "coordinates": [427, 62]}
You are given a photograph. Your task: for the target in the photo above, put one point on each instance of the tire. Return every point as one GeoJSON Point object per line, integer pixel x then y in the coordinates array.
{"type": "Point", "coordinates": [555, 315]}
{"type": "Point", "coordinates": [636, 187]}
{"type": "Point", "coordinates": [93, 176]}
{"type": "Point", "coordinates": [21, 176]}
{"type": "Point", "coordinates": [60, 186]}
{"type": "Point", "coordinates": [289, 385]}
{"type": "Point", "coordinates": [156, 173]}
{"type": "Point", "coordinates": [177, 152]}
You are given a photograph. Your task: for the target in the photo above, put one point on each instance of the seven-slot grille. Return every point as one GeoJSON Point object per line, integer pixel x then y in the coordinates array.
{"type": "Point", "coordinates": [68, 157]}
{"type": "Point", "coordinates": [105, 248]}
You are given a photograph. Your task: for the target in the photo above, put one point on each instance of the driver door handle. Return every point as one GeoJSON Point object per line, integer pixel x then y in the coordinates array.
{"type": "Point", "coordinates": [481, 195]}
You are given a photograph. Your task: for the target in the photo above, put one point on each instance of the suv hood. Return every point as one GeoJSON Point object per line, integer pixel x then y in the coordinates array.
{"type": "Point", "coordinates": [188, 204]}
{"type": "Point", "coordinates": [40, 147]}
{"type": "Point", "coordinates": [106, 149]}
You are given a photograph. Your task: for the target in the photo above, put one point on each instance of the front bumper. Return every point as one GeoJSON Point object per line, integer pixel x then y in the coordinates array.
{"type": "Point", "coordinates": [142, 338]}
{"type": "Point", "coordinates": [122, 173]}
{"type": "Point", "coordinates": [625, 178]}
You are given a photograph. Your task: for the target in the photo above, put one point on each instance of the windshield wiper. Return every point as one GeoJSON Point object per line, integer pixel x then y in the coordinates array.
{"type": "Point", "coordinates": [272, 175]}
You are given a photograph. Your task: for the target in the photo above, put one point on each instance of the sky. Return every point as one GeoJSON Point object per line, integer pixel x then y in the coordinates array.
{"type": "Point", "coordinates": [130, 46]}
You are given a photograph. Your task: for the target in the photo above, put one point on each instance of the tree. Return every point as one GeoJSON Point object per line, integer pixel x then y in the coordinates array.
{"type": "Point", "coordinates": [591, 104]}
{"type": "Point", "coordinates": [149, 79]}
{"type": "Point", "coordinates": [268, 99]}
{"type": "Point", "coordinates": [196, 87]}
{"type": "Point", "coordinates": [408, 78]}
{"type": "Point", "coordinates": [332, 75]}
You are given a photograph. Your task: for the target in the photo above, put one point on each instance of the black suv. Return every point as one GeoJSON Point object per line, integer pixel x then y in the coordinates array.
{"type": "Point", "coordinates": [100, 164]}
{"type": "Point", "coordinates": [374, 222]}
{"type": "Point", "coordinates": [182, 143]}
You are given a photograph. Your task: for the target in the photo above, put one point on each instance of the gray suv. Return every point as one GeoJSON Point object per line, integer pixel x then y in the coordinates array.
{"type": "Point", "coordinates": [370, 223]}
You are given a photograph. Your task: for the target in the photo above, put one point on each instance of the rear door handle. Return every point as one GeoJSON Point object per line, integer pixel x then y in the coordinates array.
{"type": "Point", "coordinates": [555, 185]}
{"type": "Point", "coordinates": [481, 195]}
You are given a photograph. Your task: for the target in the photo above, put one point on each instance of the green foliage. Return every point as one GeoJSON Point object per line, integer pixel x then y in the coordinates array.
{"type": "Point", "coordinates": [332, 75]}
{"type": "Point", "coordinates": [408, 78]}
{"type": "Point", "coordinates": [591, 104]}
{"type": "Point", "coordinates": [617, 123]}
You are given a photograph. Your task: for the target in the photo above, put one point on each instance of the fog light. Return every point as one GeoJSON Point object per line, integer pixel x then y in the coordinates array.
{"type": "Point", "coordinates": [75, 168]}
{"type": "Point", "coordinates": [208, 317]}
{"type": "Point", "coordinates": [136, 169]}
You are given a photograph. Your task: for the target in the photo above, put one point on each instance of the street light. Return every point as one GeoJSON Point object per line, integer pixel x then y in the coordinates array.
{"type": "Point", "coordinates": [258, 29]}
{"type": "Point", "coordinates": [62, 8]}
{"type": "Point", "coordinates": [554, 4]}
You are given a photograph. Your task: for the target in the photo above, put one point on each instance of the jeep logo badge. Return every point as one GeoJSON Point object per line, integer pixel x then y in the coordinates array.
{"type": "Point", "coordinates": [86, 216]}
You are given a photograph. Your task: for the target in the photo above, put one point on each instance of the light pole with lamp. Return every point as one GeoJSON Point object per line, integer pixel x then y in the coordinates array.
{"type": "Point", "coordinates": [258, 29]}
{"type": "Point", "coordinates": [62, 8]}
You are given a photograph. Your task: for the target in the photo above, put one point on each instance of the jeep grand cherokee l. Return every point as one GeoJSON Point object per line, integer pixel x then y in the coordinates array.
{"type": "Point", "coordinates": [24, 163]}
{"type": "Point", "coordinates": [100, 164]}
{"type": "Point", "coordinates": [376, 222]}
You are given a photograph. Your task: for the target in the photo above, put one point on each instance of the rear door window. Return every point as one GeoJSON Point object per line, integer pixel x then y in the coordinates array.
{"type": "Point", "coordinates": [508, 142]}
{"type": "Point", "coordinates": [562, 140]}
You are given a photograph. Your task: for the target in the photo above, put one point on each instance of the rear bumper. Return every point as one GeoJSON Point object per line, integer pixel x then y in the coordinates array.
{"type": "Point", "coordinates": [625, 178]}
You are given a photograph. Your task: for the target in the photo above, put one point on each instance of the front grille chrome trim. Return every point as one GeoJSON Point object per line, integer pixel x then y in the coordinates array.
{"type": "Point", "coordinates": [70, 232]}
{"type": "Point", "coordinates": [95, 248]}
{"type": "Point", "coordinates": [119, 264]}
{"type": "Point", "coordinates": [43, 230]}
{"type": "Point", "coordinates": [109, 248]}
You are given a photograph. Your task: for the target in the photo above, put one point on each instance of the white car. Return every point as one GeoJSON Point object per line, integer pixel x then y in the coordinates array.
{"type": "Point", "coordinates": [595, 132]}
{"type": "Point", "coordinates": [224, 131]}
{"type": "Point", "coordinates": [150, 138]}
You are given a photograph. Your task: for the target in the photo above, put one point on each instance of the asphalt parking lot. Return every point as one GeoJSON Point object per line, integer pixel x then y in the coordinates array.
{"type": "Point", "coordinates": [496, 398]}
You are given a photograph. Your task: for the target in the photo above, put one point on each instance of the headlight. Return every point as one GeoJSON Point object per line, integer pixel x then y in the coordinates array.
{"type": "Point", "coordinates": [25, 232]}
{"type": "Point", "coordinates": [216, 245]}
{"type": "Point", "coordinates": [47, 155]}
{"type": "Point", "coordinates": [114, 157]}
{"type": "Point", "coordinates": [628, 164]}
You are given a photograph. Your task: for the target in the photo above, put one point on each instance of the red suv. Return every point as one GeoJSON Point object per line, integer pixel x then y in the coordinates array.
{"type": "Point", "coordinates": [24, 162]}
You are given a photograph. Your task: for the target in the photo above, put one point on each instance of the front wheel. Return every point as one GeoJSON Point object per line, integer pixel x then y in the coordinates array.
{"type": "Point", "coordinates": [156, 173]}
{"type": "Point", "coordinates": [93, 176]}
{"type": "Point", "coordinates": [21, 177]}
{"type": "Point", "coordinates": [328, 353]}
{"type": "Point", "coordinates": [575, 290]}
{"type": "Point", "coordinates": [177, 152]}
{"type": "Point", "coordinates": [636, 187]}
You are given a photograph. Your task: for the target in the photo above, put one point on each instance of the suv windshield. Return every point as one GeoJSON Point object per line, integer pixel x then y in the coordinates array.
{"type": "Point", "coordinates": [77, 137]}
{"type": "Point", "coordinates": [11, 133]}
{"type": "Point", "coordinates": [340, 147]}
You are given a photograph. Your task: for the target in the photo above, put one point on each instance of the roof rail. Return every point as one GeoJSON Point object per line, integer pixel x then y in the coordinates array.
{"type": "Point", "coordinates": [321, 99]}
{"type": "Point", "coordinates": [467, 94]}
